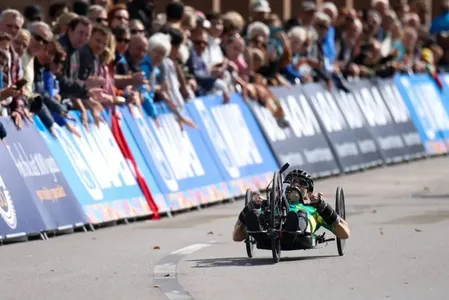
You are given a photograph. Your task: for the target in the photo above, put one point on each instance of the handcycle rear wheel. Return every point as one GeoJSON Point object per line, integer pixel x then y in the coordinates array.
{"type": "Point", "coordinates": [340, 208]}
{"type": "Point", "coordinates": [275, 216]}
{"type": "Point", "coordinates": [249, 242]}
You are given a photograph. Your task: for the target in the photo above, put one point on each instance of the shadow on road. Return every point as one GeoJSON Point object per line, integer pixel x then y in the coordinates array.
{"type": "Point", "coordinates": [248, 262]}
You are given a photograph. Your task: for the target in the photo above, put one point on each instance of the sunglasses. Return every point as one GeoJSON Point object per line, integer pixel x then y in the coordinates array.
{"type": "Point", "coordinates": [121, 18]}
{"type": "Point", "coordinates": [123, 40]}
{"type": "Point", "coordinates": [101, 20]}
{"type": "Point", "coordinates": [301, 182]}
{"type": "Point", "coordinates": [40, 39]}
{"type": "Point", "coordinates": [137, 31]}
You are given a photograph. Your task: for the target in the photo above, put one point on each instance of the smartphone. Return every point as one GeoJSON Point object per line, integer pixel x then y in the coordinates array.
{"type": "Point", "coordinates": [274, 31]}
{"type": "Point", "coordinates": [21, 83]}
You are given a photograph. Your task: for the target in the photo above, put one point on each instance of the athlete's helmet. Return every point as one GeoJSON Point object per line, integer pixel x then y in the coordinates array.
{"type": "Point", "coordinates": [304, 178]}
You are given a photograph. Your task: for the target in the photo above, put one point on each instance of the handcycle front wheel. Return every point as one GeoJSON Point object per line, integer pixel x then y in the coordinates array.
{"type": "Point", "coordinates": [250, 241]}
{"type": "Point", "coordinates": [275, 213]}
{"type": "Point", "coordinates": [340, 208]}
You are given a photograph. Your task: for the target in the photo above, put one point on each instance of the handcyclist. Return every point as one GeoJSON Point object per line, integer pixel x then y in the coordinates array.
{"type": "Point", "coordinates": [307, 211]}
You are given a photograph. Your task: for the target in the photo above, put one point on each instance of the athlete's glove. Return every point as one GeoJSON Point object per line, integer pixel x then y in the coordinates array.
{"type": "Point", "coordinates": [253, 205]}
{"type": "Point", "coordinates": [326, 211]}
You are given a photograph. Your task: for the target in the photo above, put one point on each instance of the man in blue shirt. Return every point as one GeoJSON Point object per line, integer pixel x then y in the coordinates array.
{"type": "Point", "coordinates": [441, 23]}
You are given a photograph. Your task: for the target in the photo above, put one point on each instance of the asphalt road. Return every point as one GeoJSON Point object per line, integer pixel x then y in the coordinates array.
{"type": "Point", "coordinates": [399, 220]}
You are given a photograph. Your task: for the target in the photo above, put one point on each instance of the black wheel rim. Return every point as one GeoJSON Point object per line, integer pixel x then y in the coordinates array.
{"type": "Point", "coordinates": [275, 216]}
{"type": "Point", "coordinates": [340, 207]}
{"type": "Point", "coordinates": [275, 202]}
{"type": "Point", "coordinates": [249, 239]}
{"type": "Point", "coordinates": [250, 246]}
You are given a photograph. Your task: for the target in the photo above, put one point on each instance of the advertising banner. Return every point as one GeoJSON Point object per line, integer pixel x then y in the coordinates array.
{"type": "Point", "coordinates": [352, 144]}
{"type": "Point", "coordinates": [302, 144]}
{"type": "Point", "coordinates": [380, 122]}
{"type": "Point", "coordinates": [181, 164]}
{"type": "Point", "coordinates": [143, 172]}
{"type": "Point", "coordinates": [427, 111]}
{"type": "Point", "coordinates": [18, 211]}
{"type": "Point", "coordinates": [238, 147]}
{"type": "Point", "coordinates": [401, 117]}
{"type": "Point", "coordinates": [43, 176]}
{"type": "Point", "coordinates": [97, 172]}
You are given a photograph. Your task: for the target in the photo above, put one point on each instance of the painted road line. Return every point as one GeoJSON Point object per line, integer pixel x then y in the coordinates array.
{"type": "Point", "coordinates": [165, 276]}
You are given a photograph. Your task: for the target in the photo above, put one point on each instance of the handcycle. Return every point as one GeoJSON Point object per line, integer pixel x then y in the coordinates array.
{"type": "Point", "coordinates": [273, 236]}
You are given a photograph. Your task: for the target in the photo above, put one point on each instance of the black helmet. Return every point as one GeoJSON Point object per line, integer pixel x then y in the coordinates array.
{"type": "Point", "coordinates": [302, 175]}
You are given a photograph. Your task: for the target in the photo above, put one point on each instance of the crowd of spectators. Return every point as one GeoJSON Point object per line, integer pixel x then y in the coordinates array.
{"type": "Point", "coordinates": [95, 56]}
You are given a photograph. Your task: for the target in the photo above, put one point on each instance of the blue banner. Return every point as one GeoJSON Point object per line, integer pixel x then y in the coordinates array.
{"type": "Point", "coordinates": [43, 176]}
{"type": "Point", "coordinates": [427, 111]}
{"type": "Point", "coordinates": [381, 123]}
{"type": "Point", "coordinates": [143, 167]}
{"type": "Point", "coordinates": [180, 161]}
{"type": "Point", "coordinates": [18, 211]}
{"type": "Point", "coordinates": [302, 144]}
{"type": "Point", "coordinates": [401, 117]}
{"type": "Point", "coordinates": [96, 170]}
{"type": "Point", "coordinates": [353, 145]}
{"type": "Point", "coordinates": [238, 147]}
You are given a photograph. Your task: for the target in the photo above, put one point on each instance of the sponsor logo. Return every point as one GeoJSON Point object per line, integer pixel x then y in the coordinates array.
{"type": "Point", "coordinates": [79, 163]}
{"type": "Point", "coordinates": [7, 210]}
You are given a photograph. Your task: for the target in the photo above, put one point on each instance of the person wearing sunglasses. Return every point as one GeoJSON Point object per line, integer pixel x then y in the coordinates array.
{"type": "Point", "coordinates": [307, 211]}
{"type": "Point", "coordinates": [41, 35]}
{"type": "Point", "coordinates": [97, 14]}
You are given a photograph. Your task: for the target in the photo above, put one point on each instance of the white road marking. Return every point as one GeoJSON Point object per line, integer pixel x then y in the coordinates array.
{"type": "Point", "coordinates": [189, 249]}
{"type": "Point", "coordinates": [164, 273]}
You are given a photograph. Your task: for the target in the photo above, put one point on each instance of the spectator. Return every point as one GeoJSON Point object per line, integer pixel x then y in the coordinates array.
{"type": "Point", "coordinates": [135, 56]}
{"type": "Point", "coordinates": [142, 10]}
{"type": "Point", "coordinates": [33, 13]}
{"type": "Point", "coordinates": [208, 81]}
{"type": "Point", "coordinates": [21, 42]}
{"type": "Point", "coordinates": [11, 21]}
{"type": "Point", "coordinates": [441, 23]}
{"type": "Point", "coordinates": [347, 48]}
{"type": "Point", "coordinates": [175, 14]}
{"type": "Point", "coordinates": [71, 87]}
{"type": "Point", "coordinates": [136, 27]}
{"type": "Point", "coordinates": [330, 9]}
{"type": "Point", "coordinates": [106, 4]}
{"type": "Point", "coordinates": [118, 15]}
{"type": "Point", "coordinates": [61, 26]}
{"type": "Point", "coordinates": [260, 11]}
{"type": "Point", "coordinates": [41, 35]}
{"type": "Point", "coordinates": [304, 18]}
{"type": "Point", "coordinates": [171, 87]}
{"type": "Point", "coordinates": [213, 56]}
{"type": "Point", "coordinates": [80, 7]}
{"type": "Point", "coordinates": [55, 11]}
{"type": "Point", "coordinates": [97, 14]}
{"type": "Point", "coordinates": [10, 91]}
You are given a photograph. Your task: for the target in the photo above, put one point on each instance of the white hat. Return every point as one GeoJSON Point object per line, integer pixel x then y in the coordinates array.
{"type": "Point", "coordinates": [261, 6]}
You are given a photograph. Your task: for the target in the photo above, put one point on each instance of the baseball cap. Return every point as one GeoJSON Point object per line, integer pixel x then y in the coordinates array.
{"type": "Point", "coordinates": [308, 6]}
{"type": "Point", "coordinates": [261, 6]}
{"type": "Point", "coordinates": [201, 20]}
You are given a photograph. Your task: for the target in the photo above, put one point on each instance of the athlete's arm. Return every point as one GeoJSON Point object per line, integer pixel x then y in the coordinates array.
{"type": "Point", "coordinates": [330, 216]}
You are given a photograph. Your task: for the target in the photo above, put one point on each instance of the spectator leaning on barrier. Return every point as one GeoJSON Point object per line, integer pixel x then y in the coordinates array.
{"type": "Point", "coordinates": [171, 86]}
{"type": "Point", "coordinates": [11, 21]}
